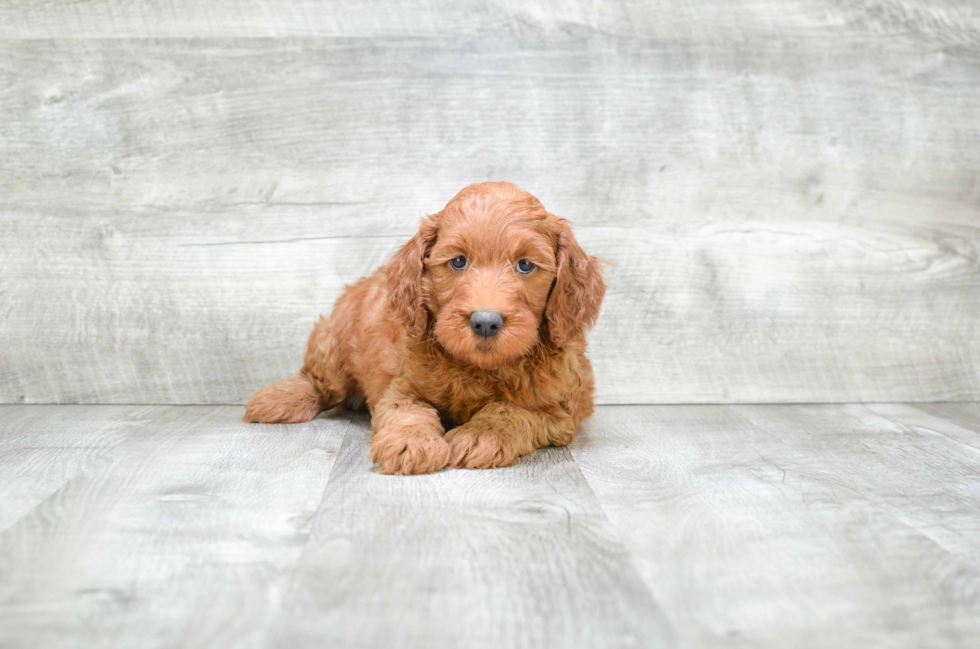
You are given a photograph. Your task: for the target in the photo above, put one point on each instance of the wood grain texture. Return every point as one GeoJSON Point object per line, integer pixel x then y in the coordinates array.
{"type": "Point", "coordinates": [185, 534]}
{"type": "Point", "coordinates": [948, 21]}
{"type": "Point", "coordinates": [704, 526]}
{"type": "Point", "coordinates": [786, 219]}
{"type": "Point", "coordinates": [804, 526]}
{"type": "Point", "coordinates": [42, 448]}
{"type": "Point", "coordinates": [955, 421]}
{"type": "Point", "coordinates": [965, 416]}
{"type": "Point", "coordinates": [516, 557]}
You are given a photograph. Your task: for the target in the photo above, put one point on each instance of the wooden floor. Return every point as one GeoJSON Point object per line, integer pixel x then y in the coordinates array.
{"type": "Point", "coordinates": [688, 526]}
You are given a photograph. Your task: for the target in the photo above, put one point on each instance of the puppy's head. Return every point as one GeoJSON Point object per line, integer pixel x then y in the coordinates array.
{"type": "Point", "coordinates": [493, 275]}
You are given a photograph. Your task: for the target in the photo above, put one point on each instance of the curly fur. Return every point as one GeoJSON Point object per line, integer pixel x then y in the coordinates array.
{"type": "Point", "coordinates": [401, 341]}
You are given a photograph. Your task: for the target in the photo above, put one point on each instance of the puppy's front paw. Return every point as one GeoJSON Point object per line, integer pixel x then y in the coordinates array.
{"type": "Point", "coordinates": [406, 450]}
{"type": "Point", "coordinates": [471, 447]}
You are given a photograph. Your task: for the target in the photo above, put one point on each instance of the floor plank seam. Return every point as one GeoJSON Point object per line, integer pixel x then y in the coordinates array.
{"type": "Point", "coordinates": [871, 501]}
{"type": "Point", "coordinates": [293, 576]}
{"type": "Point", "coordinates": [614, 533]}
{"type": "Point", "coordinates": [103, 453]}
{"type": "Point", "coordinates": [941, 433]}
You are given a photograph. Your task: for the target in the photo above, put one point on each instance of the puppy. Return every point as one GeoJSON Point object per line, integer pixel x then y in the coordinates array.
{"type": "Point", "coordinates": [478, 321]}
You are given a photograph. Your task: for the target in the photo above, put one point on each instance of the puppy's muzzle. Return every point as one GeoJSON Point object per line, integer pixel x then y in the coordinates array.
{"type": "Point", "coordinates": [486, 323]}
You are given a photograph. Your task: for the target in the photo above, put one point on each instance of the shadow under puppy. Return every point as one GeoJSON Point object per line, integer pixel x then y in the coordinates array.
{"type": "Point", "coordinates": [478, 320]}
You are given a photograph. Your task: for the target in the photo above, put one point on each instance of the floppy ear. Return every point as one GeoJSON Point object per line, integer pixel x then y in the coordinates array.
{"type": "Point", "coordinates": [403, 279]}
{"type": "Point", "coordinates": [576, 296]}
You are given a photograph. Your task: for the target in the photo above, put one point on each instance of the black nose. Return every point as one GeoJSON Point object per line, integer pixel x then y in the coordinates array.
{"type": "Point", "coordinates": [486, 323]}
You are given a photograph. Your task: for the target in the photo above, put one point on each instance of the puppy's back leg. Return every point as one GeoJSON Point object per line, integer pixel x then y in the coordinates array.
{"type": "Point", "coordinates": [291, 401]}
{"type": "Point", "coordinates": [308, 393]}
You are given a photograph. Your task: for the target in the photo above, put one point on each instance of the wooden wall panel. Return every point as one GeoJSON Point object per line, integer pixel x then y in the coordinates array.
{"type": "Point", "coordinates": [947, 21]}
{"type": "Point", "coordinates": [785, 219]}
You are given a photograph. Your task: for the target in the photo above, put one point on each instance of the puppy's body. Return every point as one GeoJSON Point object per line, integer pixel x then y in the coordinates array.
{"type": "Point", "coordinates": [403, 340]}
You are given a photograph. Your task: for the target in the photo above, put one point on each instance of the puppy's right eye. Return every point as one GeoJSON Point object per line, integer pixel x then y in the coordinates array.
{"type": "Point", "coordinates": [459, 263]}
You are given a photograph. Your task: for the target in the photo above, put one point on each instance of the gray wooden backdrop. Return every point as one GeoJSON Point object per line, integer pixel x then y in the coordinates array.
{"type": "Point", "coordinates": [787, 193]}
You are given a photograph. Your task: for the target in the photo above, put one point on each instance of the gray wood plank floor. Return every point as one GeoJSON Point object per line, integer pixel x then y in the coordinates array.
{"type": "Point", "coordinates": [689, 526]}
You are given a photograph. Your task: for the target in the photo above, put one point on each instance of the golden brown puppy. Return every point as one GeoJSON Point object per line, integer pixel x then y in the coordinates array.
{"type": "Point", "coordinates": [478, 320]}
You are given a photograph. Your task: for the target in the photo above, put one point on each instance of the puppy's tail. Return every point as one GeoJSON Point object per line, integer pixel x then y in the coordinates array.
{"type": "Point", "coordinates": [291, 401]}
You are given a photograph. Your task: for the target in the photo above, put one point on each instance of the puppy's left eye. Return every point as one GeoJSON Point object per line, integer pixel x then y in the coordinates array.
{"type": "Point", "coordinates": [524, 266]}
{"type": "Point", "coordinates": [459, 263]}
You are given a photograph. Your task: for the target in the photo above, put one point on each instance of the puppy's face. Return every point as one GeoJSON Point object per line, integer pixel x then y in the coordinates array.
{"type": "Point", "coordinates": [492, 275]}
{"type": "Point", "coordinates": [486, 283]}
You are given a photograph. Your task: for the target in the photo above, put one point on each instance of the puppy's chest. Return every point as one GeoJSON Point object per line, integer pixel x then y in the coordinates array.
{"type": "Point", "coordinates": [458, 396]}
